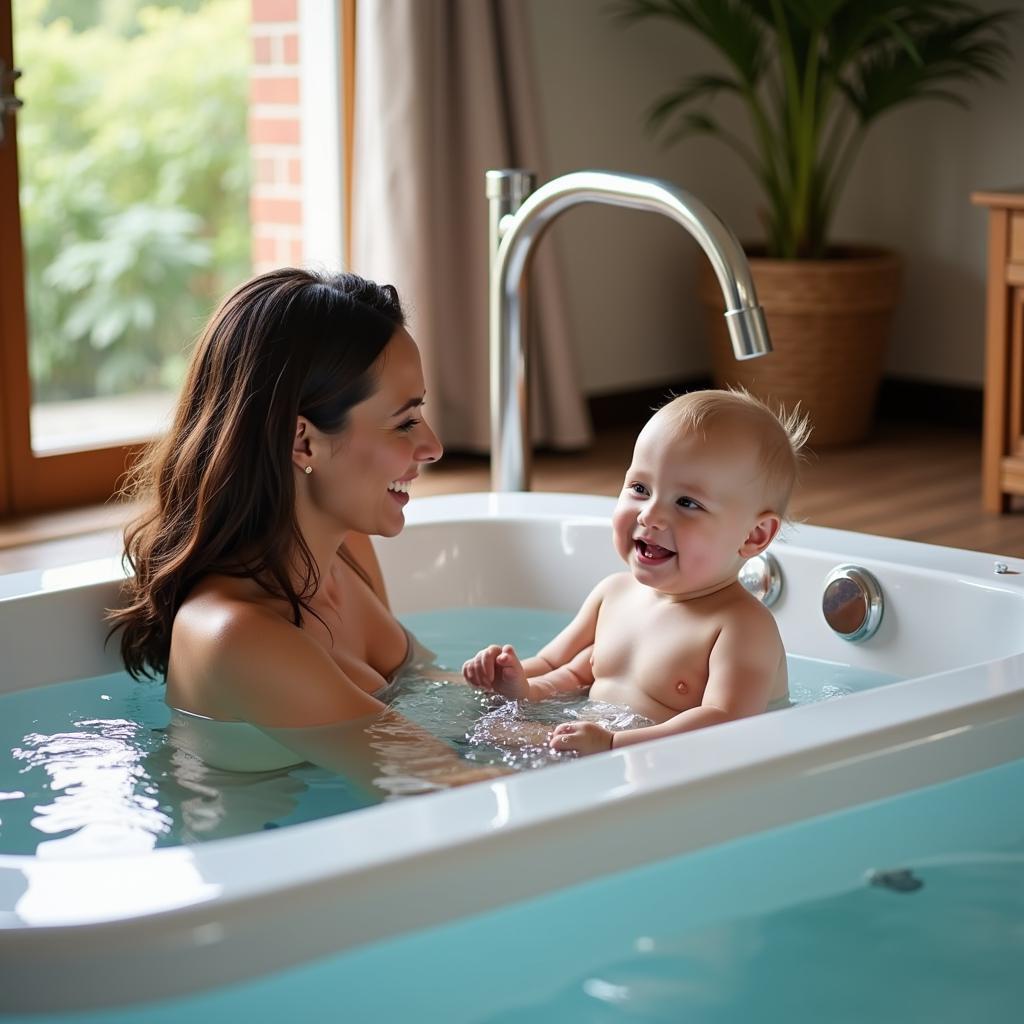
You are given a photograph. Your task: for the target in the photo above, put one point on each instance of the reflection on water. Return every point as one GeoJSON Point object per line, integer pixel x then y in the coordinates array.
{"type": "Point", "coordinates": [103, 797]}
{"type": "Point", "coordinates": [214, 804]}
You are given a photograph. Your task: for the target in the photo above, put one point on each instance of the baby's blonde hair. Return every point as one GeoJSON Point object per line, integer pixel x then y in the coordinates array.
{"type": "Point", "coordinates": [779, 435]}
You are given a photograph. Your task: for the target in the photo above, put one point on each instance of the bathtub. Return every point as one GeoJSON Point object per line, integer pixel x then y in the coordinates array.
{"type": "Point", "coordinates": [104, 932]}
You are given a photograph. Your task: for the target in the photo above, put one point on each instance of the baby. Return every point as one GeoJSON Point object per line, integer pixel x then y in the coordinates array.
{"type": "Point", "coordinates": [677, 638]}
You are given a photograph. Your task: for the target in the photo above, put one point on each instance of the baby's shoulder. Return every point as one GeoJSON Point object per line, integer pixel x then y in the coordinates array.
{"type": "Point", "coordinates": [743, 613]}
{"type": "Point", "coordinates": [615, 585]}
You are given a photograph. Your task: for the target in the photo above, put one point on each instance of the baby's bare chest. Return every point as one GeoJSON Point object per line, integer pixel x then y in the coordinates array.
{"type": "Point", "coordinates": [662, 652]}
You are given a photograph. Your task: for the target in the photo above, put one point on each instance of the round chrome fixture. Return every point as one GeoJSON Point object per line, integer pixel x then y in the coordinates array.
{"type": "Point", "coordinates": [852, 602]}
{"type": "Point", "coordinates": [762, 576]}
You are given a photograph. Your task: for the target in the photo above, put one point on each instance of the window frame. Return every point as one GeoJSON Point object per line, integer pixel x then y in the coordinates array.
{"type": "Point", "coordinates": [31, 482]}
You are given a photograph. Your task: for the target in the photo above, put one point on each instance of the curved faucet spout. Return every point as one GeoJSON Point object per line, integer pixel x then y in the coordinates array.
{"type": "Point", "coordinates": [515, 230]}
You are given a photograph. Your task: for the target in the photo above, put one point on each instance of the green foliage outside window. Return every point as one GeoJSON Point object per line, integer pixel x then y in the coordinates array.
{"type": "Point", "coordinates": [134, 173]}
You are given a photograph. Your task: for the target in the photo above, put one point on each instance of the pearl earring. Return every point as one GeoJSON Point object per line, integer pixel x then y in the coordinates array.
{"type": "Point", "coordinates": [308, 470]}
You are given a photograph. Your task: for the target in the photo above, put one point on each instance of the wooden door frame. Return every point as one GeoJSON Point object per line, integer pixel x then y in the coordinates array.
{"type": "Point", "coordinates": [31, 482]}
{"type": "Point", "coordinates": [10, 234]}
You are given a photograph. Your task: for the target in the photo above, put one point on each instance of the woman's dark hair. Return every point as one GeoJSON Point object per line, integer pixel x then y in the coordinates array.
{"type": "Point", "coordinates": [219, 487]}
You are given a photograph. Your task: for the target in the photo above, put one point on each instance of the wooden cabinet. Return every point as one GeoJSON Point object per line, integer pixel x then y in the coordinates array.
{"type": "Point", "coordinates": [1002, 468]}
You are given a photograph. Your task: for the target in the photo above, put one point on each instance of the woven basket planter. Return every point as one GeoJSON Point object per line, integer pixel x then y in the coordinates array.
{"type": "Point", "coordinates": [829, 325]}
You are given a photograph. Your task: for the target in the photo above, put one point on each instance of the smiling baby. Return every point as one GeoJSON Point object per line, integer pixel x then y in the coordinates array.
{"type": "Point", "coordinates": [676, 638]}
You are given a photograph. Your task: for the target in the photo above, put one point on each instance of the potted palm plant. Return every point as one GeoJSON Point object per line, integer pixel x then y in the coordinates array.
{"type": "Point", "coordinates": [814, 76]}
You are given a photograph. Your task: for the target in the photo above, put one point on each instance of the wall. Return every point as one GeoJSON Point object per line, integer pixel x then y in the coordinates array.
{"type": "Point", "coordinates": [295, 199]}
{"type": "Point", "coordinates": [630, 275]}
{"type": "Point", "coordinates": [275, 134]}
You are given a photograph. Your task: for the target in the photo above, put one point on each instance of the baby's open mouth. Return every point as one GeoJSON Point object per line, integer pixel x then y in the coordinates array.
{"type": "Point", "coordinates": [651, 554]}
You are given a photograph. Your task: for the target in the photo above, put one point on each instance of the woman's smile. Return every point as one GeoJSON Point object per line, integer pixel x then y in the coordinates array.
{"type": "Point", "coordinates": [399, 491]}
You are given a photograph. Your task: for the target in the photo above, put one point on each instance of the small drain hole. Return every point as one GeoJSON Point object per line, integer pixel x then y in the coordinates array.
{"type": "Point", "coordinates": [901, 880]}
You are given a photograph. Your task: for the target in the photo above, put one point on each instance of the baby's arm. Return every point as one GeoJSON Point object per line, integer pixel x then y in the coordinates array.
{"type": "Point", "coordinates": [742, 668]}
{"type": "Point", "coordinates": [561, 666]}
{"type": "Point", "coordinates": [499, 669]}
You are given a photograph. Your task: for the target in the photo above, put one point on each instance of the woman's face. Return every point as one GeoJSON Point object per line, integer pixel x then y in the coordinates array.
{"type": "Point", "coordinates": [361, 477]}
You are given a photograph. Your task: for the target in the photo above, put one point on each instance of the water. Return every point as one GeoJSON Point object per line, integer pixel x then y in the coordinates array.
{"type": "Point", "coordinates": [90, 770]}
{"type": "Point", "coordinates": [782, 927]}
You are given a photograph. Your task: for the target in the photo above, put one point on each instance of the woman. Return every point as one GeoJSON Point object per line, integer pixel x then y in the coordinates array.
{"type": "Point", "coordinates": [256, 590]}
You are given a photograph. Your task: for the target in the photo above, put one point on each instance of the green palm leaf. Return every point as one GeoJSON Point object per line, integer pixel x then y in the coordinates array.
{"type": "Point", "coordinates": [697, 87]}
{"type": "Point", "coordinates": [959, 51]}
{"type": "Point", "coordinates": [813, 74]}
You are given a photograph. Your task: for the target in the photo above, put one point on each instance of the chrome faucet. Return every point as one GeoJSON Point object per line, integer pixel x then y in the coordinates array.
{"type": "Point", "coordinates": [518, 217]}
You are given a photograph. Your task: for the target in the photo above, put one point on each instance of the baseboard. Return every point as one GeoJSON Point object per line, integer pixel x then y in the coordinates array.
{"type": "Point", "coordinates": [898, 399]}
{"type": "Point", "coordinates": [957, 405]}
{"type": "Point", "coordinates": [633, 408]}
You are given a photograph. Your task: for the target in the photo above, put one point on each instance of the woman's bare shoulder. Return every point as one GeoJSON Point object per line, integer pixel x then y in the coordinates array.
{"type": "Point", "coordinates": [223, 616]}
{"type": "Point", "coordinates": [218, 632]}
{"type": "Point", "coordinates": [237, 658]}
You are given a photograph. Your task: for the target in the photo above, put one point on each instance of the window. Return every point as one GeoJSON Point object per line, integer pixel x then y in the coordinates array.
{"type": "Point", "coordinates": [165, 150]}
{"type": "Point", "coordinates": [126, 185]}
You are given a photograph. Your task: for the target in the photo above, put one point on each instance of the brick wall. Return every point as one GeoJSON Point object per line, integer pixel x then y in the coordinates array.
{"type": "Point", "coordinates": [275, 199]}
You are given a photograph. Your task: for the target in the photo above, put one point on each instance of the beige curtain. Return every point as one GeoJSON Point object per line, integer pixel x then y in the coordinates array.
{"type": "Point", "coordinates": [444, 92]}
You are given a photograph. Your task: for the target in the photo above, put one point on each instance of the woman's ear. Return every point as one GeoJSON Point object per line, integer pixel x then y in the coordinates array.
{"type": "Point", "coordinates": [301, 448]}
{"type": "Point", "coordinates": [761, 535]}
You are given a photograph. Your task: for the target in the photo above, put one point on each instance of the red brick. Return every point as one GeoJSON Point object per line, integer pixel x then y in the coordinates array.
{"type": "Point", "coordinates": [265, 171]}
{"type": "Point", "coordinates": [264, 249]}
{"type": "Point", "coordinates": [294, 172]}
{"type": "Point", "coordinates": [262, 50]}
{"type": "Point", "coordinates": [295, 252]}
{"type": "Point", "coordinates": [274, 90]}
{"type": "Point", "coordinates": [275, 211]}
{"type": "Point", "coordinates": [264, 130]}
{"type": "Point", "coordinates": [274, 10]}
{"type": "Point", "coordinates": [291, 49]}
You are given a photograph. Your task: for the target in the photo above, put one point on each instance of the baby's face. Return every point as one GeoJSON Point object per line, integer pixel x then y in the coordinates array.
{"type": "Point", "coordinates": [691, 508]}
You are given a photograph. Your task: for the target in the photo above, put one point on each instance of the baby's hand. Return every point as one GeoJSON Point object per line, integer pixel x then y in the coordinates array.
{"type": "Point", "coordinates": [498, 669]}
{"type": "Point", "coordinates": [583, 737]}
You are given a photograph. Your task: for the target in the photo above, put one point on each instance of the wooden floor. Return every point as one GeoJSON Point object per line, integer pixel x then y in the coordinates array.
{"type": "Point", "coordinates": [917, 482]}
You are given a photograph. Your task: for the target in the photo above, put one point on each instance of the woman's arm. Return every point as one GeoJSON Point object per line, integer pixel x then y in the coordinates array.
{"type": "Point", "coordinates": [386, 755]}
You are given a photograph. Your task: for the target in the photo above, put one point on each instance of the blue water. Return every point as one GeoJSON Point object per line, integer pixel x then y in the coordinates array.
{"type": "Point", "coordinates": [90, 771]}
{"type": "Point", "coordinates": [784, 926]}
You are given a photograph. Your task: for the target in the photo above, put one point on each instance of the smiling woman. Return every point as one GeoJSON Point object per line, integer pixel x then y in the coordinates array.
{"type": "Point", "coordinates": [256, 591]}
